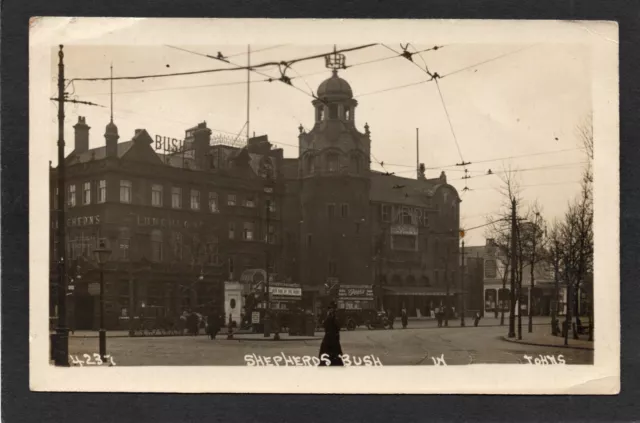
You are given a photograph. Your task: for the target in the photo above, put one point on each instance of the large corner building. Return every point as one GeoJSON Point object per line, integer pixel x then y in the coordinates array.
{"type": "Point", "coordinates": [182, 224]}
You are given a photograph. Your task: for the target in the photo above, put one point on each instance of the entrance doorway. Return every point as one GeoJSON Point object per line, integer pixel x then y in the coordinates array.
{"type": "Point", "coordinates": [84, 309]}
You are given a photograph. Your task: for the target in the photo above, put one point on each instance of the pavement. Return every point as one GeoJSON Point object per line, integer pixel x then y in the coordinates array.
{"type": "Point", "coordinates": [541, 336]}
{"type": "Point", "coordinates": [414, 323]}
{"type": "Point", "coordinates": [412, 346]}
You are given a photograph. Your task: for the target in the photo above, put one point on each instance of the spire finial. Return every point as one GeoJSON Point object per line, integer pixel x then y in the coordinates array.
{"type": "Point", "coordinates": [111, 91]}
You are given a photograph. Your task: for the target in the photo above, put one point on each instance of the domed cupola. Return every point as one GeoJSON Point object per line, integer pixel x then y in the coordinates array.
{"type": "Point", "coordinates": [334, 88]}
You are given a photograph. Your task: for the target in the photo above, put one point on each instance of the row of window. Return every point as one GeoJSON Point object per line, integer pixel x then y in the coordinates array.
{"type": "Point", "coordinates": [85, 246]}
{"type": "Point", "coordinates": [157, 196]}
{"type": "Point", "coordinates": [86, 193]}
{"type": "Point", "coordinates": [336, 111]}
{"type": "Point", "coordinates": [332, 162]}
{"type": "Point", "coordinates": [331, 210]}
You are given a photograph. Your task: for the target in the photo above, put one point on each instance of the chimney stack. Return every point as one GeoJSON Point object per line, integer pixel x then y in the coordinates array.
{"type": "Point", "coordinates": [201, 136]}
{"type": "Point", "coordinates": [81, 136]}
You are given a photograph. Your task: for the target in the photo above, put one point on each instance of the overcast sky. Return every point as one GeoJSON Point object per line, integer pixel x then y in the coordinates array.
{"type": "Point", "coordinates": [526, 103]}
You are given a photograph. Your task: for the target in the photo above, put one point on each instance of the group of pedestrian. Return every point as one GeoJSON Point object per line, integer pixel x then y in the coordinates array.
{"type": "Point", "coordinates": [191, 321]}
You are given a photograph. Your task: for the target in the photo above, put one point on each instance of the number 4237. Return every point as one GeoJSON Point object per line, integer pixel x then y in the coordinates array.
{"type": "Point", "coordinates": [91, 360]}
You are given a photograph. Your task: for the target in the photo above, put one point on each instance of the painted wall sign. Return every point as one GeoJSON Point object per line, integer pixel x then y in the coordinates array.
{"type": "Point", "coordinates": [285, 292]}
{"type": "Point", "coordinates": [167, 223]}
{"type": "Point", "coordinates": [168, 144]}
{"type": "Point", "coordinates": [410, 215]}
{"type": "Point", "coordinates": [364, 292]}
{"type": "Point", "coordinates": [83, 220]}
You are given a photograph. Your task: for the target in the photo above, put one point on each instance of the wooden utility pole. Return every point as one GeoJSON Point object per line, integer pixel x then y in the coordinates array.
{"type": "Point", "coordinates": [533, 263]}
{"type": "Point", "coordinates": [520, 266]}
{"type": "Point", "coordinates": [555, 310]}
{"type": "Point", "coordinates": [61, 342]}
{"type": "Point", "coordinates": [512, 305]}
{"type": "Point", "coordinates": [462, 322]}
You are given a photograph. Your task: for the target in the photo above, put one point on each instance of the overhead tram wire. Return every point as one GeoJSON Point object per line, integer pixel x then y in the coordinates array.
{"type": "Point", "coordinates": [399, 87]}
{"type": "Point", "coordinates": [257, 51]}
{"type": "Point", "coordinates": [493, 160]}
{"type": "Point", "coordinates": [488, 61]}
{"type": "Point", "coordinates": [225, 84]}
{"type": "Point", "coordinates": [434, 76]}
{"type": "Point", "coordinates": [206, 71]}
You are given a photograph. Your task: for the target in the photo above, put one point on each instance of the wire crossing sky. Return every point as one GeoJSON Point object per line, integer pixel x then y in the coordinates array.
{"type": "Point", "coordinates": [488, 106]}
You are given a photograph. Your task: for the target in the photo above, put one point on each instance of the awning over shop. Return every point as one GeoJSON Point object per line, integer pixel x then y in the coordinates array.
{"type": "Point", "coordinates": [423, 291]}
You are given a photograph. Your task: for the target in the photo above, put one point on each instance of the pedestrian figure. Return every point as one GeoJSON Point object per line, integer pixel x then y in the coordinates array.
{"type": "Point", "coordinates": [330, 348]}
{"type": "Point", "coordinates": [405, 319]}
{"type": "Point", "coordinates": [392, 317]}
{"type": "Point", "coordinates": [438, 316]}
{"type": "Point", "coordinates": [476, 320]}
{"type": "Point", "coordinates": [214, 324]}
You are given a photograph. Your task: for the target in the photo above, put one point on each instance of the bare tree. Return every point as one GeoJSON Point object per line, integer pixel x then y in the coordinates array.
{"type": "Point", "coordinates": [510, 191]}
{"type": "Point", "coordinates": [534, 244]}
{"type": "Point", "coordinates": [553, 254]}
{"type": "Point", "coordinates": [498, 232]}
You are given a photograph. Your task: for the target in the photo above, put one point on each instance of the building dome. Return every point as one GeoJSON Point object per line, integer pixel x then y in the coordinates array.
{"type": "Point", "coordinates": [334, 87]}
{"type": "Point", "coordinates": [111, 128]}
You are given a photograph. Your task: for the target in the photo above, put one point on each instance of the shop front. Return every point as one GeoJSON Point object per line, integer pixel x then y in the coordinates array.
{"type": "Point", "coordinates": [418, 301]}
{"type": "Point", "coordinates": [496, 300]}
{"type": "Point", "coordinates": [284, 298]}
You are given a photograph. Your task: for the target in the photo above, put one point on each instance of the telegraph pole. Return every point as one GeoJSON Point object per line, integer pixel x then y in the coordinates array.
{"type": "Point", "coordinates": [462, 322]}
{"type": "Point", "coordinates": [61, 343]}
{"type": "Point", "coordinates": [533, 260]}
{"type": "Point", "coordinates": [519, 290]}
{"type": "Point", "coordinates": [512, 305]}
{"type": "Point", "coordinates": [267, 317]}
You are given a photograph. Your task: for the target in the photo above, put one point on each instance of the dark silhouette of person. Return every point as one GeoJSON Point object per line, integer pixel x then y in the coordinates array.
{"type": "Point", "coordinates": [330, 348]}
{"type": "Point", "coordinates": [213, 324]}
{"type": "Point", "coordinates": [405, 319]}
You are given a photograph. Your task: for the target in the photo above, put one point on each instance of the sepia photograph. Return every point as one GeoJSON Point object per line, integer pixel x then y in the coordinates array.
{"type": "Point", "coordinates": [228, 198]}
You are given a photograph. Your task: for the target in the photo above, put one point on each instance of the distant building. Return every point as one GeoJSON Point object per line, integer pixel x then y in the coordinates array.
{"type": "Point", "coordinates": [497, 283]}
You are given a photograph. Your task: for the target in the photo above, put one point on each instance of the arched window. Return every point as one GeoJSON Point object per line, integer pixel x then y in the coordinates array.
{"type": "Point", "coordinates": [355, 164]}
{"type": "Point", "coordinates": [311, 164]}
{"type": "Point", "coordinates": [347, 113]}
{"type": "Point", "coordinates": [320, 113]}
{"type": "Point", "coordinates": [410, 281]}
{"type": "Point", "coordinates": [424, 281]}
{"type": "Point", "coordinates": [332, 162]}
{"type": "Point", "coordinates": [333, 111]}
{"type": "Point", "coordinates": [383, 279]}
{"type": "Point", "coordinates": [156, 245]}
{"type": "Point", "coordinates": [396, 280]}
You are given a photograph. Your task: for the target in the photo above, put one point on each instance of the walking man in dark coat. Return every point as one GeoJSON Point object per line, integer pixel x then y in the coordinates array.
{"type": "Point", "coordinates": [405, 319]}
{"type": "Point", "coordinates": [330, 348]}
{"type": "Point", "coordinates": [213, 321]}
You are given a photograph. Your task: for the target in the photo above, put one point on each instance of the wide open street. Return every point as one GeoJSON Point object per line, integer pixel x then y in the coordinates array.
{"type": "Point", "coordinates": [417, 346]}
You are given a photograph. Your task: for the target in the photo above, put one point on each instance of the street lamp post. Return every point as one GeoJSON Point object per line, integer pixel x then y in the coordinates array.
{"type": "Point", "coordinates": [102, 255]}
